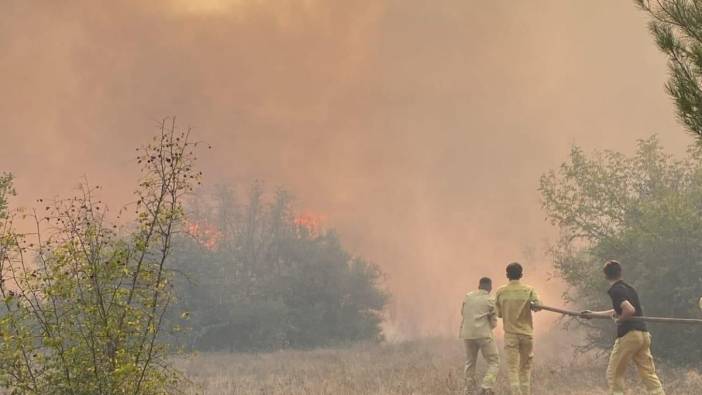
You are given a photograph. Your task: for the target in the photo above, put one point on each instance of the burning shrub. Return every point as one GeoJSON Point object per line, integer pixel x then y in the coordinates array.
{"type": "Point", "coordinates": [273, 278]}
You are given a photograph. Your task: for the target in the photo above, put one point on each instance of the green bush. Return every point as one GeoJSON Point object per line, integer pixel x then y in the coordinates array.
{"type": "Point", "coordinates": [256, 277]}
{"type": "Point", "coordinates": [644, 210]}
{"type": "Point", "coordinates": [83, 300]}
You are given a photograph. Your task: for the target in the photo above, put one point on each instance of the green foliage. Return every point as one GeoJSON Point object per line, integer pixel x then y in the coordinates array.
{"type": "Point", "coordinates": [5, 191]}
{"type": "Point", "coordinates": [644, 210]}
{"type": "Point", "coordinates": [83, 300]}
{"type": "Point", "coordinates": [677, 28]}
{"type": "Point", "coordinates": [258, 277]}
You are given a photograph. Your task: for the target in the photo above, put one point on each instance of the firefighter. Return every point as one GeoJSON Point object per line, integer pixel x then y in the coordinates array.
{"type": "Point", "coordinates": [479, 320]}
{"type": "Point", "coordinates": [633, 339]}
{"type": "Point", "coordinates": [514, 303]}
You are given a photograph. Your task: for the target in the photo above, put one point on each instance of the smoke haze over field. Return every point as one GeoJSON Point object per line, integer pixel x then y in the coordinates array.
{"type": "Point", "coordinates": [418, 129]}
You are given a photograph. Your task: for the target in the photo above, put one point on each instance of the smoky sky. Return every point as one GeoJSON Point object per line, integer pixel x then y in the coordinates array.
{"type": "Point", "coordinates": [418, 129]}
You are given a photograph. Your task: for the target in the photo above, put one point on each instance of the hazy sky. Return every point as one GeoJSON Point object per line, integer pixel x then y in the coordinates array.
{"type": "Point", "coordinates": [418, 128]}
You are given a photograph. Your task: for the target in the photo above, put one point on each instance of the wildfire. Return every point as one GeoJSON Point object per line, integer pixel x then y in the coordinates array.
{"type": "Point", "coordinates": [313, 224]}
{"type": "Point", "coordinates": [206, 234]}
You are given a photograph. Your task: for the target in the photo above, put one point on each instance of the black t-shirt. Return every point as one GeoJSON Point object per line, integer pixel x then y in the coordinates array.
{"type": "Point", "coordinates": [619, 292]}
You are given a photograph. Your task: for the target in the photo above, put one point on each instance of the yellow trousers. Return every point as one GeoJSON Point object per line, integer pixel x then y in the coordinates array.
{"type": "Point", "coordinates": [519, 353]}
{"type": "Point", "coordinates": [488, 349]}
{"type": "Point", "coordinates": [634, 346]}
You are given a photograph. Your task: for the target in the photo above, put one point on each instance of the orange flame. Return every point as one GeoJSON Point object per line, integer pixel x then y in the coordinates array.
{"type": "Point", "coordinates": [312, 224]}
{"type": "Point", "coordinates": [206, 234]}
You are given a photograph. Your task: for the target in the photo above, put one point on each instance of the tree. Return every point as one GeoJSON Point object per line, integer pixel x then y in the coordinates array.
{"type": "Point", "coordinates": [677, 28]}
{"type": "Point", "coordinates": [83, 300]}
{"type": "Point", "coordinates": [258, 276]}
{"type": "Point", "coordinates": [5, 191]}
{"type": "Point", "coordinates": [643, 210]}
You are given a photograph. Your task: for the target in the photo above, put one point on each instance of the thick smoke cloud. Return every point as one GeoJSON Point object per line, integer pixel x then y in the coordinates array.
{"type": "Point", "coordinates": [419, 129]}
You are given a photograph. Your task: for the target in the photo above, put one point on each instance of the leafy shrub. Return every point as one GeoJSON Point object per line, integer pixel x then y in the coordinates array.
{"type": "Point", "coordinates": [644, 210]}
{"type": "Point", "coordinates": [83, 299]}
{"type": "Point", "coordinates": [257, 276]}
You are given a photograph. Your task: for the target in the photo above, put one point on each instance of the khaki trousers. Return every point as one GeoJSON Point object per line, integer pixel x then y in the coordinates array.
{"type": "Point", "coordinates": [488, 349]}
{"type": "Point", "coordinates": [519, 353]}
{"type": "Point", "coordinates": [634, 346]}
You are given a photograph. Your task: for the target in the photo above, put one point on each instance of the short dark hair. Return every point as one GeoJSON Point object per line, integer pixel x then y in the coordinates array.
{"type": "Point", "coordinates": [612, 270]}
{"type": "Point", "coordinates": [485, 282]}
{"type": "Point", "coordinates": [514, 271]}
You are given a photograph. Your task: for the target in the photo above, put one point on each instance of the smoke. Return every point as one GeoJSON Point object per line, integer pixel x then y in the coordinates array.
{"type": "Point", "coordinates": [418, 129]}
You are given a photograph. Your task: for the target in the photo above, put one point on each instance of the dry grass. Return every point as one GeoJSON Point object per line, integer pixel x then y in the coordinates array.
{"type": "Point", "coordinates": [420, 367]}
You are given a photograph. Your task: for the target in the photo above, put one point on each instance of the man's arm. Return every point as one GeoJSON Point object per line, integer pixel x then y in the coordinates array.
{"type": "Point", "coordinates": [618, 299]}
{"type": "Point", "coordinates": [498, 306]}
{"type": "Point", "coordinates": [534, 302]}
{"type": "Point", "coordinates": [492, 313]}
{"type": "Point", "coordinates": [591, 314]}
{"type": "Point", "coordinates": [628, 310]}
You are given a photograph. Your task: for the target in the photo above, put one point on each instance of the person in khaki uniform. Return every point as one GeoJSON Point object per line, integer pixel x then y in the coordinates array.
{"type": "Point", "coordinates": [514, 303]}
{"type": "Point", "coordinates": [479, 319]}
{"type": "Point", "coordinates": [633, 340]}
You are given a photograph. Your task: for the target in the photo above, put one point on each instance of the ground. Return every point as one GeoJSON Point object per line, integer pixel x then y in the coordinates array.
{"type": "Point", "coordinates": [432, 366]}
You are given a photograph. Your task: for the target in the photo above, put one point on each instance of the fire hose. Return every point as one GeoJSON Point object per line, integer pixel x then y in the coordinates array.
{"type": "Point", "coordinates": [570, 313]}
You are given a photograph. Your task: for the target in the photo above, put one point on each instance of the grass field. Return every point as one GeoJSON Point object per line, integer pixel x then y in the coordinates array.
{"type": "Point", "coordinates": [432, 366]}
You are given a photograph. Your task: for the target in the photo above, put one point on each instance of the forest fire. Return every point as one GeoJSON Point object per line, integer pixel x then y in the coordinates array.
{"type": "Point", "coordinates": [351, 193]}
{"type": "Point", "coordinates": [207, 235]}
{"type": "Point", "coordinates": [310, 223]}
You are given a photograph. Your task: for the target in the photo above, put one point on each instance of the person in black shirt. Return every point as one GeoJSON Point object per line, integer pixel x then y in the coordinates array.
{"type": "Point", "coordinates": [621, 292]}
{"type": "Point", "coordinates": [633, 340]}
